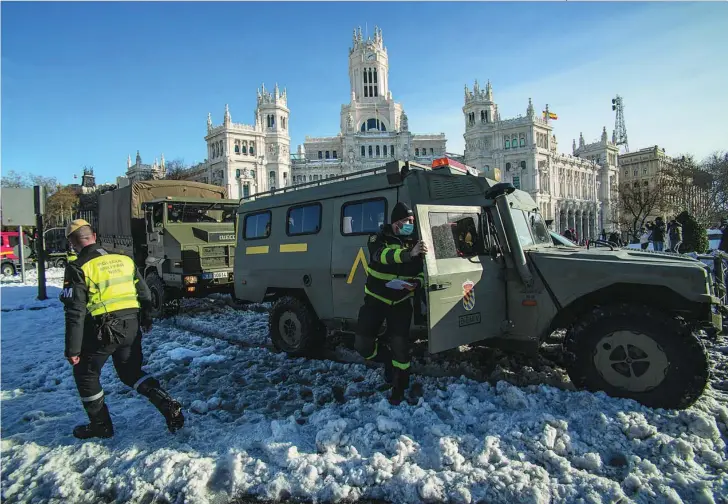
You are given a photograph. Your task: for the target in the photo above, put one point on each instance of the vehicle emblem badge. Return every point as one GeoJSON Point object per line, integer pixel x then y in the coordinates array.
{"type": "Point", "coordinates": [468, 295]}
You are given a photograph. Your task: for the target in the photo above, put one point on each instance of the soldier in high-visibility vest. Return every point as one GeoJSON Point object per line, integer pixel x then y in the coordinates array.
{"type": "Point", "coordinates": [107, 304]}
{"type": "Point", "coordinates": [395, 273]}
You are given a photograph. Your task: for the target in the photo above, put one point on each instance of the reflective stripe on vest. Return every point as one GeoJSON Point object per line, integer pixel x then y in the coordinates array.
{"type": "Point", "coordinates": [110, 282]}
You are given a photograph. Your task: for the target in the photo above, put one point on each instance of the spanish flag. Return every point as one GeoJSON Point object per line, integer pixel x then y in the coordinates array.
{"type": "Point", "coordinates": [551, 115]}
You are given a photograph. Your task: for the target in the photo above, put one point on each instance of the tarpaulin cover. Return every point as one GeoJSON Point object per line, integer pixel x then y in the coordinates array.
{"type": "Point", "coordinates": [120, 208]}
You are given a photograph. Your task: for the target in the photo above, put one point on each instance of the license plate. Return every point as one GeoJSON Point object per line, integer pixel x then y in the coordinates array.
{"type": "Point", "coordinates": [207, 276]}
{"type": "Point", "coordinates": [220, 274]}
{"type": "Point", "coordinates": [471, 319]}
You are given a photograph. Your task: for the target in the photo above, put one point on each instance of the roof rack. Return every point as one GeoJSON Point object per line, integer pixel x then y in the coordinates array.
{"type": "Point", "coordinates": [389, 168]}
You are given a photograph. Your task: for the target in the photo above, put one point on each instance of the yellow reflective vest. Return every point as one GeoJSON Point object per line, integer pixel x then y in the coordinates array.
{"type": "Point", "coordinates": [111, 284]}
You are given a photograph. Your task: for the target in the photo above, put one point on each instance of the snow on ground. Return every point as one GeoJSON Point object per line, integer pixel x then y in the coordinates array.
{"type": "Point", "coordinates": [261, 424]}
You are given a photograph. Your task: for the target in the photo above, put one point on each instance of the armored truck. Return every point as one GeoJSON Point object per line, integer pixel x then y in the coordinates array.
{"type": "Point", "coordinates": [180, 234]}
{"type": "Point", "coordinates": [493, 275]}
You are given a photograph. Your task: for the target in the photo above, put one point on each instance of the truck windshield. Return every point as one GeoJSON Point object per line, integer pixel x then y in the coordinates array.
{"type": "Point", "coordinates": [530, 228]}
{"type": "Point", "coordinates": [200, 212]}
{"type": "Point", "coordinates": [538, 228]}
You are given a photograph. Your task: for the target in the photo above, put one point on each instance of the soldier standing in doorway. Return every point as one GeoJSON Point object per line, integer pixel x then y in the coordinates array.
{"type": "Point", "coordinates": [104, 296]}
{"type": "Point", "coordinates": [394, 255]}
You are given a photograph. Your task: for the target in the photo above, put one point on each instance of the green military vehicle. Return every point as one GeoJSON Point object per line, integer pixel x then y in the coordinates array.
{"type": "Point", "coordinates": [492, 275]}
{"type": "Point", "coordinates": [180, 234]}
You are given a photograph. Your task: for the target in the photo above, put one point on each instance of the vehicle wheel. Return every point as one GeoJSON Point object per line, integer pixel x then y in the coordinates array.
{"type": "Point", "coordinates": [294, 327]}
{"type": "Point", "coordinates": [159, 298]}
{"type": "Point", "coordinates": [639, 353]}
{"type": "Point", "coordinates": [8, 269]}
{"type": "Point", "coordinates": [61, 263]}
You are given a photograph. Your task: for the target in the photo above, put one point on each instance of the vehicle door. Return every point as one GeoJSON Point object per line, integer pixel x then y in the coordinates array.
{"type": "Point", "coordinates": [155, 226]}
{"type": "Point", "coordinates": [465, 286]}
{"type": "Point", "coordinates": [355, 219]}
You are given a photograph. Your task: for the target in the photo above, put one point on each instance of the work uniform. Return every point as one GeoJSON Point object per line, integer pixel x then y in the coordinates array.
{"type": "Point", "coordinates": [389, 259]}
{"type": "Point", "coordinates": [103, 294]}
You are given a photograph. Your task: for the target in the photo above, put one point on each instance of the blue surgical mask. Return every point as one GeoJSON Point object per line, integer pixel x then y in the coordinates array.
{"type": "Point", "coordinates": [406, 229]}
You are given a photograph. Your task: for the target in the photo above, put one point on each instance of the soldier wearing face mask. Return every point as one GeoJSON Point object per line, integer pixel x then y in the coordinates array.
{"type": "Point", "coordinates": [395, 273]}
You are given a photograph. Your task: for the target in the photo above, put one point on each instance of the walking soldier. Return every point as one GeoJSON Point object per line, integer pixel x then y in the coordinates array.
{"type": "Point", "coordinates": [106, 301]}
{"type": "Point", "coordinates": [394, 256]}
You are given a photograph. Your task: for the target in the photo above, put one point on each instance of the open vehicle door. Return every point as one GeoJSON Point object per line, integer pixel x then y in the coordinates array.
{"type": "Point", "coordinates": [465, 288]}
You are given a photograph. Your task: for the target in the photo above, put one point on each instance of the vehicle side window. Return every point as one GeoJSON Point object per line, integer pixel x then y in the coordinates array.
{"type": "Point", "coordinates": [13, 241]}
{"type": "Point", "coordinates": [304, 220]}
{"type": "Point", "coordinates": [158, 214]}
{"type": "Point", "coordinates": [363, 217]}
{"type": "Point", "coordinates": [455, 234]}
{"type": "Point", "coordinates": [257, 226]}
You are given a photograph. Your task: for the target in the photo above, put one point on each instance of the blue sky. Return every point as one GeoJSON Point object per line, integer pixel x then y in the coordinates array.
{"type": "Point", "coordinates": [90, 83]}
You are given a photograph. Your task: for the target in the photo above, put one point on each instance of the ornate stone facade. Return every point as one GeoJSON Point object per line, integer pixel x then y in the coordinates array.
{"type": "Point", "coordinates": [251, 158]}
{"type": "Point", "coordinates": [140, 171]}
{"type": "Point", "coordinates": [374, 129]}
{"type": "Point", "coordinates": [575, 191]}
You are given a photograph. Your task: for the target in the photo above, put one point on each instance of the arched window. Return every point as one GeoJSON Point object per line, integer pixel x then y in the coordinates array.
{"type": "Point", "coordinates": [245, 147]}
{"type": "Point", "coordinates": [385, 151]}
{"type": "Point", "coordinates": [508, 166]}
{"type": "Point", "coordinates": [523, 165]}
{"type": "Point", "coordinates": [363, 151]}
{"type": "Point", "coordinates": [237, 147]}
{"type": "Point", "coordinates": [508, 143]}
{"type": "Point", "coordinates": [417, 152]}
{"type": "Point", "coordinates": [371, 151]}
{"type": "Point", "coordinates": [251, 151]}
{"type": "Point", "coordinates": [372, 124]}
{"type": "Point", "coordinates": [391, 148]}
{"type": "Point", "coordinates": [522, 140]}
{"type": "Point", "coordinates": [377, 151]}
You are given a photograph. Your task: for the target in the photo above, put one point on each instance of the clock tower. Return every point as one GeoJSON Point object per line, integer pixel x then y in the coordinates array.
{"type": "Point", "coordinates": [368, 68]}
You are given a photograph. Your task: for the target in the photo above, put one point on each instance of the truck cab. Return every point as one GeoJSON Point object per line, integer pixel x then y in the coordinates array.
{"type": "Point", "coordinates": [189, 247]}
{"type": "Point", "coordinates": [10, 251]}
{"type": "Point", "coordinates": [493, 275]}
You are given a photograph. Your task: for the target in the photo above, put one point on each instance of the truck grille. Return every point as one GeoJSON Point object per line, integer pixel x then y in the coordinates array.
{"type": "Point", "coordinates": [210, 257]}
{"type": "Point", "coordinates": [213, 250]}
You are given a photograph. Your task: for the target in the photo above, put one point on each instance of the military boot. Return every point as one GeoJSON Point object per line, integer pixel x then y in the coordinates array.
{"type": "Point", "coordinates": [399, 386]}
{"type": "Point", "coordinates": [100, 425]}
{"type": "Point", "coordinates": [168, 407]}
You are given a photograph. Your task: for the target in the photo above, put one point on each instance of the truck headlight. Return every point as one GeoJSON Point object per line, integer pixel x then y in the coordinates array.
{"type": "Point", "coordinates": [190, 280]}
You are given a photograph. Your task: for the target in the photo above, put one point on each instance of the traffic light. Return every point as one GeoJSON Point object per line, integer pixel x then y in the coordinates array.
{"type": "Point", "coordinates": [614, 102]}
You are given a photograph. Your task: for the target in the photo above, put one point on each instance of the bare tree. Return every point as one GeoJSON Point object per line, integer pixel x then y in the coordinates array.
{"type": "Point", "coordinates": [14, 180]}
{"type": "Point", "coordinates": [687, 187]}
{"type": "Point", "coordinates": [717, 166]}
{"type": "Point", "coordinates": [636, 202]}
{"type": "Point", "coordinates": [176, 169]}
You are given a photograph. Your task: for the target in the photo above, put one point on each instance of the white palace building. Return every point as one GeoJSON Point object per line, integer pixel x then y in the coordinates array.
{"type": "Point", "coordinates": [576, 191]}
{"type": "Point", "coordinates": [373, 127]}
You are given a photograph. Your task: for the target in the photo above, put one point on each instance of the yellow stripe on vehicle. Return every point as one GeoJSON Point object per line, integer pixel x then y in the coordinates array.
{"type": "Point", "coordinates": [261, 249]}
{"type": "Point", "coordinates": [294, 247]}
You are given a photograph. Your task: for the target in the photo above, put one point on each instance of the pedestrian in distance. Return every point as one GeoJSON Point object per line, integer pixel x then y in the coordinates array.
{"type": "Point", "coordinates": [396, 271]}
{"type": "Point", "coordinates": [107, 304]}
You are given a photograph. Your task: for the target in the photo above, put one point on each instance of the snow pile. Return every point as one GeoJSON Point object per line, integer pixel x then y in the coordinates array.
{"type": "Point", "coordinates": [261, 424]}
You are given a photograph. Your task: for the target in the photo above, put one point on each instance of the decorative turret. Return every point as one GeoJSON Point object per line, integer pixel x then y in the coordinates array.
{"type": "Point", "coordinates": [581, 140]}
{"type": "Point", "coordinates": [209, 122]}
{"type": "Point", "coordinates": [403, 122]}
{"type": "Point", "coordinates": [128, 162]}
{"type": "Point", "coordinates": [604, 135]}
{"type": "Point", "coordinates": [488, 91]}
{"type": "Point", "coordinates": [529, 111]}
{"type": "Point", "coordinates": [227, 119]}
{"type": "Point", "coordinates": [138, 159]}
{"type": "Point", "coordinates": [573, 147]}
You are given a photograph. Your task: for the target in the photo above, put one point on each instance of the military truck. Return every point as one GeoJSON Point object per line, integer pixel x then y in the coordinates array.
{"type": "Point", "coordinates": [180, 234]}
{"type": "Point", "coordinates": [632, 318]}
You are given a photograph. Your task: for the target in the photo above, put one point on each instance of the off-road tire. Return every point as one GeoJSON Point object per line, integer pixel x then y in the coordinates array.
{"type": "Point", "coordinates": [294, 328]}
{"type": "Point", "coordinates": [60, 263]}
{"type": "Point", "coordinates": [8, 269]}
{"type": "Point", "coordinates": [675, 347]}
{"type": "Point", "coordinates": [159, 294]}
